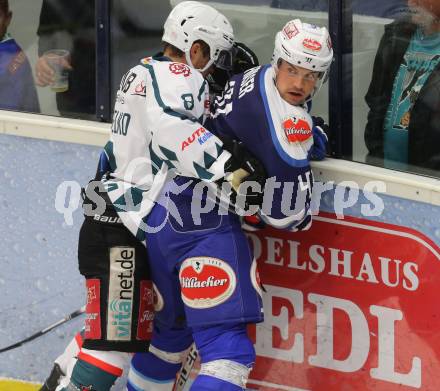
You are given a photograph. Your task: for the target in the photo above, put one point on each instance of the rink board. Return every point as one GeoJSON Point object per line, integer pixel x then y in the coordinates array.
{"type": "Point", "coordinates": [18, 385]}
{"type": "Point", "coordinates": [349, 304]}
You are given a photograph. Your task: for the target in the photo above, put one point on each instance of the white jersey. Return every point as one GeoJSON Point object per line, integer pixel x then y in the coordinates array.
{"type": "Point", "coordinates": [157, 127]}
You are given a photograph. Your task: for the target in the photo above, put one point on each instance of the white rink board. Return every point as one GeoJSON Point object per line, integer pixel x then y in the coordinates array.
{"type": "Point", "coordinates": [40, 251]}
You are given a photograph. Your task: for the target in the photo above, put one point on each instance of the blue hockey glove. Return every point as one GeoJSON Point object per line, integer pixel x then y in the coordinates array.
{"type": "Point", "coordinates": [320, 139]}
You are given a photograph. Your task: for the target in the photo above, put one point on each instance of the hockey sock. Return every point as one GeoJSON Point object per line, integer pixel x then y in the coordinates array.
{"type": "Point", "coordinates": [70, 353]}
{"type": "Point", "coordinates": [64, 364]}
{"type": "Point", "coordinates": [150, 373]}
{"type": "Point", "coordinates": [96, 370]}
{"type": "Point", "coordinates": [88, 377]}
{"type": "Point", "coordinates": [209, 383]}
{"type": "Point", "coordinates": [226, 354]}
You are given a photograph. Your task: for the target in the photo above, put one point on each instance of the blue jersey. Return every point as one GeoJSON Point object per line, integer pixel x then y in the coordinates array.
{"type": "Point", "coordinates": [277, 133]}
{"type": "Point", "coordinates": [17, 88]}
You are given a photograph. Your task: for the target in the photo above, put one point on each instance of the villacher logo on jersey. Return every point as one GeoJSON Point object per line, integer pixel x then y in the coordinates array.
{"type": "Point", "coordinates": [206, 282]}
{"type": "Point", "coordinates": [296, 129]}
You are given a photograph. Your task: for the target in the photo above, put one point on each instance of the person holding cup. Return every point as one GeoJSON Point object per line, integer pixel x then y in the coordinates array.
{"type": "Point", "coordinates": [53, 68]}
{"type": "Point", "coordinates": [66, 50]}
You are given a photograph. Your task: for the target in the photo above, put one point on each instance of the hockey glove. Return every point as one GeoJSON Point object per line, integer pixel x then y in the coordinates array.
{"type": "Point", "coordinates": [244, 167]}
{"type": "Point", "coordinates": [243, 59]}
{"type": "Point", "coordinates": [320, 147]}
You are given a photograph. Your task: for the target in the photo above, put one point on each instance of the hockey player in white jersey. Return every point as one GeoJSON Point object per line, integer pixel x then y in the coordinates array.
{"type": "Point", "coordinates": [160, 106]}
{"type": "Point", "coordinates": [204, 272]}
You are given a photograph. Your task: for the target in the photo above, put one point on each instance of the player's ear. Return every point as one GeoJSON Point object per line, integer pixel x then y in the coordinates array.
{"type": "Point", "coordinates": [194, 53]}
{"type": "Point", "coordinates": [196, 48]}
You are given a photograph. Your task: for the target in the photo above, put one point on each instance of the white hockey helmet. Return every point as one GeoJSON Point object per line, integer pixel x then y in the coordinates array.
{"type": "Point", "coordinates": [304, 45]}
{"type": "Point", "coordinates": [190, 21]}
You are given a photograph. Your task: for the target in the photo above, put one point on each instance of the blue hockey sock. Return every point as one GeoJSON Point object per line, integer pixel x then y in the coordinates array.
{"type": "Point", "coordinates": [150, 373]}
{"type": "Point", "coordinates": [209, 383]}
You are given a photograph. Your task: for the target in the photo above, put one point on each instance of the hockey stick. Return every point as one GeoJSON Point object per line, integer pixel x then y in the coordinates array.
{"type": "Point", "coordinates": [74, 314]}
{"type": "Point", "coordinates": [186, 369]}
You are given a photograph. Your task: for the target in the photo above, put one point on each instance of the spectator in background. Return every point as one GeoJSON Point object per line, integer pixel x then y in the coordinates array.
{"type": "Point", "coordinates": [17, 89]}
{"type": "Point", "coordinates": [69, 25]}
{"type": "Point", "coordinates": [404, 95]}
{"type": "Point", "coordinates": [391, 9]}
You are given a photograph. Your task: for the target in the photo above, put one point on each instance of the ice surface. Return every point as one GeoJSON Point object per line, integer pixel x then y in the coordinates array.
{"type": "Point", "coordinates": [39, 280]}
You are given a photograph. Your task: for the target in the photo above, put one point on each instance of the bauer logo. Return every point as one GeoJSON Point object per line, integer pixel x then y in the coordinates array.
{"type": "Point", "coordinates": [180, 69]}
{"type": "Point", "coordinates": [296, 129]}
{"type": "Point", "coordinates": [120, 294]}
{"type": "Point", "coordinates": [206, 282]}
{"type": "Point", "coordinates": [312, 44]}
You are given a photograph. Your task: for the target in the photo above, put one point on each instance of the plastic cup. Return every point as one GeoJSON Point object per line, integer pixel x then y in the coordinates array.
{"type": "Point", "coordinates": [57, 59]}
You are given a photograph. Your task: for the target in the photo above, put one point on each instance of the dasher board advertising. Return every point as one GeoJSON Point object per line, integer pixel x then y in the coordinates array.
{"type": "Point", "coordinates": [351, 304]}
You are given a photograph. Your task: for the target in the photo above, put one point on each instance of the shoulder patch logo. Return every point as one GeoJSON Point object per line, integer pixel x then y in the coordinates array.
{"type": "Point", "coordinates": [296, 130]}
{"type": "Point", "coordinates": [146, 60]}
{"type": "Point", "coordinates": [180, 69]}
{"type": "Point", "coordinates": [17, 62]}
{"type": "Point", "coordinates": [140, 89]}
{"type": "Point", "coordinates": [206, 282]}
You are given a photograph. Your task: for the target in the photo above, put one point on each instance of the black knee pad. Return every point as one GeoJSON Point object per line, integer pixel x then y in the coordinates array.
{"type": "Point", "coordinates": [119, 289]}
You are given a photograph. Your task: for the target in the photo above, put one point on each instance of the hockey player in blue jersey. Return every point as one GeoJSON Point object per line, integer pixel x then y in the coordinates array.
{"type": "Point", "coordinates": [160, 102]}
{"type": "Point", "coordinates": [17, 89]}
{"type": "Point", "coordinates": [166, 357]}
{"type": "Point", "coordinates": [203, 269]}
